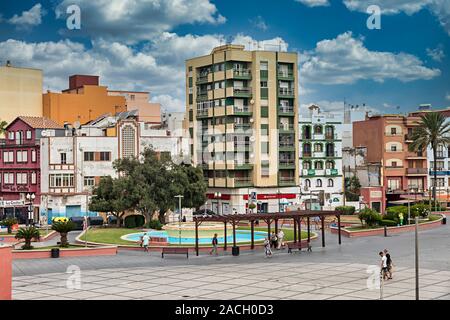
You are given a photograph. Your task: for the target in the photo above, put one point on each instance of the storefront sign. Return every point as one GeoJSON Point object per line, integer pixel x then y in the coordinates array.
{"type": "Point", "coordinates": [11, 203]}
{"type": "Point", "coordinates": [273, 196]}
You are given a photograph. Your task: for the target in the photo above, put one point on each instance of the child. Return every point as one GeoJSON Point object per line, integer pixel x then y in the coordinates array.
{"type": "Point", "coordinates": [267, 249]}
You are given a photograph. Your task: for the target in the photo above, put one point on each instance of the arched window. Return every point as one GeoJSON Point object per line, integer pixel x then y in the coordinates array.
{"type": "Point", "coordinates": [307, 149]}
{"type": "Point", "coordinates": [308, 183]}
{"type": "Point", "coordinates": [307, 165]}
{"type": "Point", "coordinates": [306, 132]}
{"type": "Point", "coordinates": [318, 129]}
{"type": "Point", "coordinates": [128, 141]}
{"type": "Point", "coordinates": [318, 147]}
{"type": "Point", "coordinates": [318, 182]}
{"type": "Point", "coordinates": [329, 164]}
{"type": "Point", "coordinates": [329, 132]}
{"type": "Point", "coordinates": [318, 165]}
{"type": "Point", "coordinates": [330, 150]}
{"type": "Point", "coordinates": [330, 183]}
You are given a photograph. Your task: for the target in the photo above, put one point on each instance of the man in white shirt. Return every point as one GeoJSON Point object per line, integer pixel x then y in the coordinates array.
{"type": "Point", "coordinates": [280, 239]}
{"type": "Point", "coordinates": [145, 241]}
{"type": "Point", "coordinates": [383, 265]}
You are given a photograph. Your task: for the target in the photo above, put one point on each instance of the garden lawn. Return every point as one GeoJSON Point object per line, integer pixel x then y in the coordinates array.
{"type": "Point", "coordinates": [433, 217]}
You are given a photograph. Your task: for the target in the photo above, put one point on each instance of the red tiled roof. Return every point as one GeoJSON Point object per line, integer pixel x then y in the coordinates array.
{"type": "Point", "coordinates": [40, 122]}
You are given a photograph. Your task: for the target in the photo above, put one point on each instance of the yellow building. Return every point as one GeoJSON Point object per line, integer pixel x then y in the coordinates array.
{"type": "Point", "coordinates": [243, 124]}
{"type": "Point", "coordinates": [85, 100]}
{"type": "Point", "coordinates": [20, 92]}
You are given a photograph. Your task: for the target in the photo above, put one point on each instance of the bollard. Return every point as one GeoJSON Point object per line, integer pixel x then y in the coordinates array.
{"type": "Point", "coordinates": [5, 272]}
{"type": "Point", "coordinates": [444, 220]}
{"type": "Point", "coordinates": [385, 231]}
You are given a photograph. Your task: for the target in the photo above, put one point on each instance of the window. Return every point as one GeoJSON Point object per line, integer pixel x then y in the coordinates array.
{"type": "Point", "coordinates": [61, 180]}
{"type": "Point", "coordinates": [105, 156]}
{"type": "Point", "coordinates": [394, 164]}
{"type": "Point", "coordinates": [19, 137]}
{"type": "Point", "coordinates": [317, 129]}
{"type": "Point", "coordinates": [329, 165]}
{"type": "Point", "coordinates": [264, 65]}
{"type": "Point", "coordinates": [319, 183]}
{"type": "Point", "coordinates": [393, 131]}
{"type": "Point", "coordinates": [265, 147]}
{"type": "Point", "coordinates": [308, 183]}
{"type": "Point", "coordinates": [33, 155]}
{"type": "Point", "coordinates": [63, 158]}
{"type": "Point", "coordinates": [89, 181]}
{"type": "Point", "coordinates": [8, 156]}
{"type": "Point", "coordinates": [219, 85]}
{"type": "Point", "coordinates": [307, 165]}
{"type": "Point", "coordinates": [28, 134]}
{"type": "Point", "coordinates": [22, 178]}
{"type": "Point", "coordinates": [264, 112]}
{"type": "Point", "coordinates": [330, 183]}
{"type": "Point", "coordinates": [263, 84]}
{"type": "Point", "coordinates": [8, 178]}
{"type": "Point", "coordinates": [11, 135]}
{"type": "Point", "coordinates": [89, 156]}
{"type": "Point", "coordinates": [393, 147]}
{"type": "Point", "coordinates": [318, 147]}
{"type": "Point", "coordinates": [264, 129]}
{"type": "Point", "coordinates": [318, 165]}
{"type": "Point", "coordinates": [33, 178]}
{"type": "Point", "coordinates": [394, 184]}
{"type": "Point", "coordinates": [132, 97]}
{"type": "Point", "coordinates": [129, 142]}
{"type": "Point", "coordinates": [265, 168]}
{"type": "Point", "coordinates": [22, 156]}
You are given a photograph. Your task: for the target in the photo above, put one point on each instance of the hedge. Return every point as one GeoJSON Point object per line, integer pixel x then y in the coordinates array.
{"type": "Point", "coordinates": [347, 210]}
{"type": "Point", "coordinates": [388, 223]}
{"type": "Point", "coordinates": [134, 221]}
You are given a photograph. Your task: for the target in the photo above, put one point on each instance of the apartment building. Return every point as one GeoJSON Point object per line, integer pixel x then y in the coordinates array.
{"type": "Point", "coordinates": [147, 111]}
{"type": "Point", "coordinates": [386, 138]}
{"type": "Point", "coordinates": [242, 117]}
{"type": "Point", "coordinates": [20, 173]}
{"type": "Point", "coordinates": [320, 159]}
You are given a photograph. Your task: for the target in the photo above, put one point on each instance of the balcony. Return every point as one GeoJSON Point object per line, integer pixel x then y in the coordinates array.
{"type": "Point", "coordinates": [244, 92]}
{"type": "Point", "coordinates": [286, 92]}
{"type": "Point", "coordinates": [287, 163]}
{"type": "Point", "coordinates": [306, 154]}
{"type": "Point", "coordinates": [440, 155]}
{"type": "Point", "coordinates": [202, 95]}
{"type": "Point", "coordinates": [331, 172]}
{"type": "Point", "coordinates": [332, 154]}
{"type": "Point", "coordinates": [286, 127]}
{"type": "Point", "coordinates": [242, 110]}
{"type": "Point", "coordinates": [286, 145]}
{"type": "Point", "coordinates": [417, 171]}
{"type": "Point", "coordinates": [286, 75]}
{"type": "Point", "coordinates": [408, 138]}
{"type": "Point", "coordinates": [242, 74]}
{"type": "Point", "coordinates": [202, 113]}
{"type": "Point", "coordinates": [242, 126]}
{"type": "Point", "coordinates": [308, 172]}
{"type": "Point", "coordinates": [392, 134]}
{"type": "Point", "coordinates": [203, 78]}
{"type": "Point", "coordinates": [331, 136]}
{"type": "Point", "coordinates": [242, 181]}
{"type": "Point", "coordinates": [286, 110]}
{"type": "Point", "coordinates": [286, 181]}
{"type": "Point", "coordinates": [242, 165]}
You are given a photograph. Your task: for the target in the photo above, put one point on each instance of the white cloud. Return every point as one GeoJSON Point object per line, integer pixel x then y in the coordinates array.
{"type": "Point", "coordinates": [436, 54]}
{"type": "Point", "coordinates": [439, 8]}
{"type": "Point", "coordinates": [345, 60]}
{"type": "Point", "coordinates": [447, 96]}
{"type": "Point", "coordinates": [170, 103]}
{"type": "Point", "coordinates": [251, 44]}
{"type": "Point", "coordinates": [28, 19]}
{"type": "Point", "coordinates": [314, 3]}
{"type": "Point", "coordinates": [130, 21]}
{"type": "Point", "coordinates": [259, 23]}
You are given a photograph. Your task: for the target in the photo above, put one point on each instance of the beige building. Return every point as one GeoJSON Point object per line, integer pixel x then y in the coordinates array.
{"type": "Point", "coordinates": [147, 111]}
{"type": "Point", "coordinates": [20, 92]}
{"type": "Point", "coordinates": [242, 119]}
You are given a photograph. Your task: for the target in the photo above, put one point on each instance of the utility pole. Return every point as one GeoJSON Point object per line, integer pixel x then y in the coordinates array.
{"type": "Point", "coordinates": [417, 257]}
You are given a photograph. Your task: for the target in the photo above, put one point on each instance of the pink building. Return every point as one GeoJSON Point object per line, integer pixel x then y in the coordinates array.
{"type": "Point", "coordinates": [148, 112]}
{"type": "Point", "coordinates": [20, 165]}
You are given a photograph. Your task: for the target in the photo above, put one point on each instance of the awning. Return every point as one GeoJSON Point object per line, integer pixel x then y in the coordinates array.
{"type": "Point", "coordinates": [402, 201]}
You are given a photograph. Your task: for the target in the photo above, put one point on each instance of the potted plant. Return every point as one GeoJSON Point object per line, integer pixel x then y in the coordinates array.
{"type": "Point", "coordinates": [63, 227]}
{"type": "Point", "coordinates": [28, 234]}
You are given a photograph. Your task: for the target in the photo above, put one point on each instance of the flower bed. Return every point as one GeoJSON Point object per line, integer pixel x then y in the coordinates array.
{"type": "Point", "coordinates": [69, 252]}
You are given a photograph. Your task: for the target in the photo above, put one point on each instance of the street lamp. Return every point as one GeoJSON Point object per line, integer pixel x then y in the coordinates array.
{"type": "Point", "coordinates": [179, 217]}
{"type": "Point", "coordinates": [30, 197]}
{"type": "Point", "coordinates": [218, 196]}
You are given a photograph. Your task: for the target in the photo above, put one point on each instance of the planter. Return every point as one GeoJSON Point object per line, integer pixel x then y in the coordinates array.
{"type": "Point", "coordinates": [63, 253]}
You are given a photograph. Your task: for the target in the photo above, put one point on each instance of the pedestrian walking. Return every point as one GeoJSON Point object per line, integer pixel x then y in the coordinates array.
{"type": "Point", "coordinates": [145, 241]}
{"type": "Point", "coordinates": [214, 243]}
{"type": "Point", "coordinates": [389, 263]}
{"type": "Point", "coordinates": [267, 250]}
{"type": "Point", "coordinates": [383, 265]}
{"type": "Point", "coordinates": [280, 239]}
{"type": "Point", "coordinates": [273, 240]}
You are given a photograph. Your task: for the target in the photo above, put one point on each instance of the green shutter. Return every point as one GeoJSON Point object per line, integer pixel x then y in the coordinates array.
{"type": "Point", "coordinates": [264, 93]}
{"type": "Point", "coordinates": [264, 129]}
{"type": "Point", "coordinates": [264, 112]}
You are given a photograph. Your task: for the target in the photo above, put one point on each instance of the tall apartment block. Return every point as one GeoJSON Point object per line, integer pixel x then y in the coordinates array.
{"type": "Point", "coordinates": [242, 120]}
{"type": "Point", "coordinates": [387, 138]}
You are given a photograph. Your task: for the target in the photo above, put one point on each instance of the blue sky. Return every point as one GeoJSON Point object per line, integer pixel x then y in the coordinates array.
{"type": "Point", "coordinates": [143, 46]}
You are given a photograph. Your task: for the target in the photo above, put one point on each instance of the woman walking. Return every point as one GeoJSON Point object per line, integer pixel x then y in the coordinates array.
{"type": "Point", "coordinates": [267, 250]}
{"type": "Point", "coordinates": [214, 243]}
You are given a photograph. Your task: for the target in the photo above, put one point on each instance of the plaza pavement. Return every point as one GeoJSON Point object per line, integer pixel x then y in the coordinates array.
{"type": "Point", "coordinates": [334, 272]}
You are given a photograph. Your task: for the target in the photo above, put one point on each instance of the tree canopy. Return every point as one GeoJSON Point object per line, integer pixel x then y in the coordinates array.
{"type": "Point", "coordinates": [148, 184]}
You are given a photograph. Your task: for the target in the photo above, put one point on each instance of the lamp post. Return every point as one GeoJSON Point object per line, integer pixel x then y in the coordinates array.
{"type": "Point", "coordinates": [30, 197]}
{"type": "Point", "coordinates": [218, 196]}
{"type": "Point", "coordinates": [417, 256]}
{"type": "Point", "coordinates": [179, 217]}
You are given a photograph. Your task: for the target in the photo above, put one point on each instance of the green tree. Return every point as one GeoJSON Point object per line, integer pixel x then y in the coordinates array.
{"type": "Point", "coordinates": [63, 228]}
{"type": "Point", "coordinates": [9, 222]}
{"type": "Point", "coordinates": [432, 131]}
{"type": "Point", "coordinates": [28, 234]}
{"type": "Point", "coordinates": [3, 125]}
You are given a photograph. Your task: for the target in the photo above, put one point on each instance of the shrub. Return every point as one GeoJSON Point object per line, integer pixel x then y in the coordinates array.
{"type": "Point", "coordinates": [9, 222]}
{"type": "Point", "coordinates": [28, 234]}
{"type": "Point", "coordinates": [134, 221]}
{"type": "Point", "coordinates": [420, 210]}
{"type": "Point", "coordinates": [388, 223]}
{"type": "Point", "coordinates": [63, 227]}
{"type": "Point", "coordinates": [347, 210]}
{"type": "Point", "coordinates": [155, 224]}
{"type": "Point", "coordinates": [370, 217]}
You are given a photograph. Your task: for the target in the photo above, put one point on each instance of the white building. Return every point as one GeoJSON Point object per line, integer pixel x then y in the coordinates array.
{"type": "Point", "coordinates": [321, 177]}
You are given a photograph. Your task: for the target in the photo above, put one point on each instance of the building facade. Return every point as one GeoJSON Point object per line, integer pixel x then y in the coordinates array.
{"type": "Point", "coordinates": [320, 160]}
{"type": "Point", "coordinates": [386, 138]}
{"type": "Point", "coordinates": [20, 172]}
{"type": "Point", "coordinates": [20, 92]}
{"type": "Point", "coordinates": [147, 111]}
{"type": "Point", "coordinates": [242, 115]}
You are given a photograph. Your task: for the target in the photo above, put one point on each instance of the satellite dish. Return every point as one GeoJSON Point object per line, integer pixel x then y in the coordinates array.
{"type": "Point", "coordinates": [76, 125]}
{"type": "Point", "coordinates": [252, 101]}
{"type": "Point", "coordinates": [251, 120]}
{"type": "Point", "coordinates": [252, 139]}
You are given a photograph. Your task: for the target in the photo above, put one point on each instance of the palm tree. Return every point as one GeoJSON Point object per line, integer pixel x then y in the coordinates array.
{"type": "Point", "coordinates": [432, 131]}
{"type": "Point", "coordinates": [3, 125]}
{"type": "Point", "coordinates": [28, 234]}
{"type": "Point", "coordinates": [63, 227]}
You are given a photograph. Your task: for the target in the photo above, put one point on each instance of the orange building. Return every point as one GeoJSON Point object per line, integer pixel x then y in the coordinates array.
{"type": "Point", "coordinates": [85, 100]}
{"type": "Point", "coordinates": [387, 138]}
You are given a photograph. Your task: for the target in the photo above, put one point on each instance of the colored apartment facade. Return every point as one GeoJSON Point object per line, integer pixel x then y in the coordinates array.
{"type": "Point", "coordinates": [240, 107]}
{"type": "Point", "coordinates": [147, 112]}
{"type": "Point", "coordinates": [320, 148]}
{"type": "Point", "coordinates": [387, 138]}
{"type": "Point", "coordinates": [20, 172]}
{"type": "Point", "coordinates": [83, 101]}
{"type": "Point", "coordinates": [20, 92]}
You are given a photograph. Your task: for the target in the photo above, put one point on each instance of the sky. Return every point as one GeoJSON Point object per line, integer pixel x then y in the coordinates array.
{"type": "Point", "coordinates": [142, 45]}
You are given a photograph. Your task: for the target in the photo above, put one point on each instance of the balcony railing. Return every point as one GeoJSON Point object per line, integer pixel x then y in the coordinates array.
{"type": "Point", "coordinates": [331, 136]}
{"type": "Point", "coordinates": [286, 127]}
{"type": "Point", "coordinates": [242, 181]}
{"type": "Point", "coordinates": [286, 180]}
{"type": "Point", "coordinates": [202, 78]}
{"type": "Point", "coordinates": [238, 109]}
{"type": "Point", "coordinates": [287, 162]}
{"type": "Point", "coordinates": [242, 72]}
{"type": "Point", "coordinates": [393, 134]}
{"type": "Point", "coordinates": [243, 126]}
{"type": "Point", "coordinates": [285, 74]}
{"type": "Point", "coordinates": [286, 109]}
{"type": "Point", "coordinates": [416, 170]}
{"type": "Point", "coordinates": [331, 154]}
{"type": "Point", "coordinates": [287, 144]}
{"type": "Point", "coordinates": [285, 92]}
{"type": "Point", "coordinates": [202, 113]}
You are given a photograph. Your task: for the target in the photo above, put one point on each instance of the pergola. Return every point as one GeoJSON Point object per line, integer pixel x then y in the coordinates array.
{"type": "Point", "coordinates": [296, 216]}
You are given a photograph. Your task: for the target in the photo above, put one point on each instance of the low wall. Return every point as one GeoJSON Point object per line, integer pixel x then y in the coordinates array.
{"type": "Point", "coordinates": [64, 253]}
{"type": "Point", "coordinates": [5, 272]}
{"type": "Point", "coordinates": [10, 239]}
{"type": "Point", "coordinates": [390, 230]}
